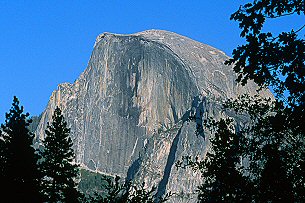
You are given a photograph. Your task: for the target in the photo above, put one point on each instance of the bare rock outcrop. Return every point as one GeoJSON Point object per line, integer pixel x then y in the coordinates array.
{"type": "Point", "coordinates": [128, 111]}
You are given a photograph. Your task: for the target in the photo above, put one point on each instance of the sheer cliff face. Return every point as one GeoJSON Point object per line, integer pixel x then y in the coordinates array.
{"type": "Point", "coordinates": [127, 110]}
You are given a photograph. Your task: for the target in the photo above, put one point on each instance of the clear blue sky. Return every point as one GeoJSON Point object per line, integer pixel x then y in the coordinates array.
{"type": "Point", "coordinates": [44, 43]}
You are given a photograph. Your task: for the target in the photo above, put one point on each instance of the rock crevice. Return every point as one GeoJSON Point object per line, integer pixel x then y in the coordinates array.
{"type": "Point", "coordinates": [131, 98]}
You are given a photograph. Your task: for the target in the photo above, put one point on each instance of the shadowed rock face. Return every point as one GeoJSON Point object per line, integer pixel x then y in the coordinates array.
{"type": "Point", "coordinates": [128, 109]}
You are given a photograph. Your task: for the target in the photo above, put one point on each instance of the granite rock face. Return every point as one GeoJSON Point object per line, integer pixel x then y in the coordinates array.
{"type": "Point", "coordinates": [128, 111]}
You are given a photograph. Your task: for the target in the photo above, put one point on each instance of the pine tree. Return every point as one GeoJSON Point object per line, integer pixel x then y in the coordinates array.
{"type": "Point", "coordinates": [2, 156]}
{"type": "Point", "coordinates": [57, 164]}
{"type": "Point", "coordinates": [276, 60]}
{"type": "Point", "coordinates": [223, 181]}
{"type": "Point", "coordinates": [270, 151]}
{"type": "Point", "coordinates": [20, 174]}
{"type": "Point", "coordinates": [117, 191]}
{"type": "Point", "coordinates": [274, 184]}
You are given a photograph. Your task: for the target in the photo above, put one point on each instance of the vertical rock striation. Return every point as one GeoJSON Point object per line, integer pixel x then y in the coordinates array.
{"type": "Point", "coordinates": [128, 110]}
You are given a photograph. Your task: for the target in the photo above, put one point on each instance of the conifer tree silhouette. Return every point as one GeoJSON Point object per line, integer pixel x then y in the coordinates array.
{"type": "Point", "coordinates": [57, 166]}
{"type": "Point", "coordinates": [20, 176]}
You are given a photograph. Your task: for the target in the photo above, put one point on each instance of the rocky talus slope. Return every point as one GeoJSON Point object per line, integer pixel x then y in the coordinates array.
{"type": "Point", "coordinates": [128, 111]}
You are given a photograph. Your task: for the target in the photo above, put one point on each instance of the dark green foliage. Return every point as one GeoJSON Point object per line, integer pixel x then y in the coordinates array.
{"type": "Point", "coordinates": [274, 184]}
{"type": "Point", "coordinates": [20, 177]}
{"type": "Point", "coordinates": [268, 59]}
{"type": "Point", "coordinates": [275, 142]}
{"type": "Point", "coordinates": [261, 160]}
{"type": "Point", "coordinates": [91, 182]}
{"type": "Point", "coordinates": [272, 149]}
{"type": "Point", "coordinates": [138, 193]}
{"type": "Point", "coordinates": [116, 191]}
{"type": "Point", "coordinates": [272, 60]}
{"type": "Point", "coordinates": [3, 160]}
{"type": "Point", "coordinates": [3, 155]}
{"type": "Point", "coordinates": [57, 164]}
{"type": "Point", "coordinates": [223, 180]}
